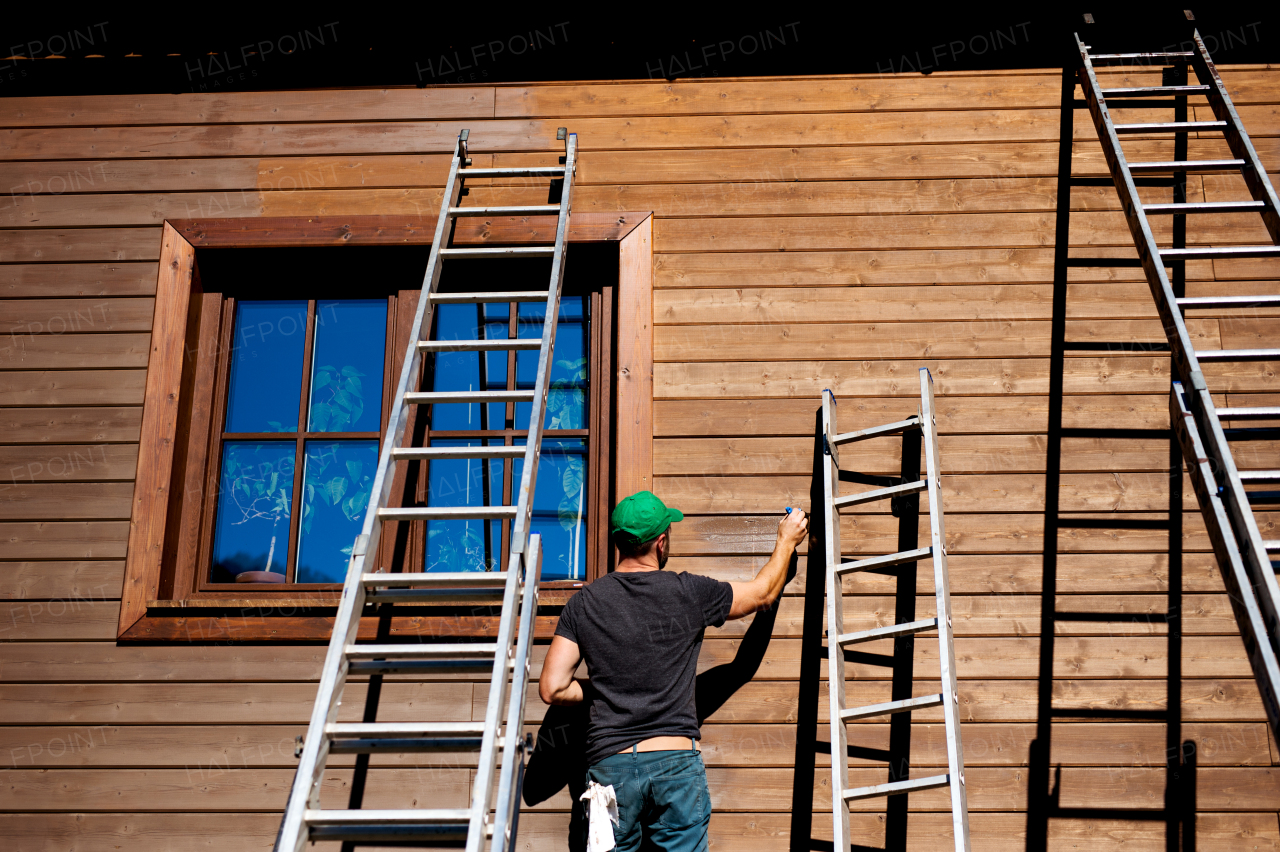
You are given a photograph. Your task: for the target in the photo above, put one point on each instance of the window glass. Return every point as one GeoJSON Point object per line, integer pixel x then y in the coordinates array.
{"type": "Point", "coordinates": [255, 497]}
{"type": "Point", "coordinates": [347, 365]}
{"type": "Point", "coordinates": [470, 371]}
{"type": "Point", "coordinates": [560, 507]}
{"type": "Point", "coordinates": [337, 484]}
{"type": "Point", "coordinates": [567, 396]}
{"type": "Point", "coordinates": [464, 545]}
{"type": "Point", "coordinates": [266, 366]}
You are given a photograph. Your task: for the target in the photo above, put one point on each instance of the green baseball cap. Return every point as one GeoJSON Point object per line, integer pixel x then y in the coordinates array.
{"type": "Point", "coordinates": [642, 517]}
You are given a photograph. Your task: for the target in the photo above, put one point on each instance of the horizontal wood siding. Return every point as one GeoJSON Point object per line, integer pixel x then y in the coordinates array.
{"type": "Point", "coordinates": [807, 234]}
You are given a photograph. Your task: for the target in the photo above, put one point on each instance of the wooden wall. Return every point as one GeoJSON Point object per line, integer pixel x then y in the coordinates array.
{"type": "Point", "coordinates": [809, 233]}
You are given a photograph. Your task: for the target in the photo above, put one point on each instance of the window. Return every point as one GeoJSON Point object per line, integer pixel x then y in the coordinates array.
{"type": "Point", "coordinates": [256, 446]}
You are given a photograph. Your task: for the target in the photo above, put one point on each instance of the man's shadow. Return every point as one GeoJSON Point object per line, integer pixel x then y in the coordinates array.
{"type": "Point", "coordinates": [559, 757]}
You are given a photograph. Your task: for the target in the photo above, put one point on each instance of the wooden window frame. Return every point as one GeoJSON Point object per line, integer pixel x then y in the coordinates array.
{"type": "Point", "coordinates": [150, 611]}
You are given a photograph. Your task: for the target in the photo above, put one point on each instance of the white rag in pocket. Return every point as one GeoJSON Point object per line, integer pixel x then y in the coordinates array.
{"type": "Point", "coordinates": [602, 816]}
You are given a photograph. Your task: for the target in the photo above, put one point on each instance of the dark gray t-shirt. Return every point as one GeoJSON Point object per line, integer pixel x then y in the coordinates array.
{"type": "Point", "coordinates": [640, 634]}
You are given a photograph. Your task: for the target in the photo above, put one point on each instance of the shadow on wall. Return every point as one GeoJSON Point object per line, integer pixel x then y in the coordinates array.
{"type": "Point", "coordinates": [559, 758]}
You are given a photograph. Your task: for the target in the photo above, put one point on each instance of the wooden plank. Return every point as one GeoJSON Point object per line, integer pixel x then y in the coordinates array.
{"type": "Point", "coordinates": [61, 501]}
{"type": "Point", "coordinates": [73, 351]}
{"type": "Point", "coordinates": [81, 280]}
{"type": "Point", "coordinates": [159, 427]}
{"type": "Point", "coordinates": [215, 704]}
{"type": "Point", "coordinates": [753, 494]}
{"type": "Point", "coordinates": [246, 107]}
{"type": "Point", "coordinates": [396, 230]}
{"type": "Point", "coordinates": [60, 619]}
{"type": "Point", "coordinates": [1007, 265]}
{"type": "Point", "coordinates": [72, 387]}
{"type": "Point", "coordinates": [933, 230]}
{"type": "Point", "coordinates": [997, 573]}
{"type": "Point", "coordinates": [634, 358]}
{"type": "Point", "coordinates": [69, 425]}
{"type": "Point", "coordinates": [95, 580]}
{"type": "Point", "coordinates": [996, 336]}
{"type": "Point", "coordinates": [76, 462]}
{"type": "Point", "coordinates": [64, 316]}
{"type": "Point", "coordinates": [64, 246]}
{"type": "Point", "coordinates": [70, 540]}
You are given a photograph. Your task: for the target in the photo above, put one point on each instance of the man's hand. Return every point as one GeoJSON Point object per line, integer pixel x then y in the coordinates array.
{"type": "Point", "coordinates": [793, 529]}
{"type": "Point", "coordinates": [765, 588]}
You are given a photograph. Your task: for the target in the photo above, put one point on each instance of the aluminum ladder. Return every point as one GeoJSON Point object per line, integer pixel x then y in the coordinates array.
{"type": "Point", "coordinates": [1243, 555]}
{"type": "Point", "coordinates": [507, 658]}
{"type": "Point", "coordinates": [837, 641]}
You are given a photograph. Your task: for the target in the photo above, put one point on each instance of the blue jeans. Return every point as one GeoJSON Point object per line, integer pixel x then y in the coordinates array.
{"type": "Point", "coordinates": [662, 795]}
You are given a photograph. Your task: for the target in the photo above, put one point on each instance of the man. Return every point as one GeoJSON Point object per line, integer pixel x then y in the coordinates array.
{"type": "Point", "coordinates": [640, 630]}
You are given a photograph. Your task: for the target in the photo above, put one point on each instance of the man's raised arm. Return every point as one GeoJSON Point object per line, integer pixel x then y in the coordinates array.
{"type": "Point", "coordinates": [765, 588]}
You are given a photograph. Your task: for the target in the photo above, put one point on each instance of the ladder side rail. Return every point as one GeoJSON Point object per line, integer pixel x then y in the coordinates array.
{"type": "Point", "coordinates": [533, 444]}
{"type": "Point", "coordinates": [511, 776]}
{"type": "Point", "coordinates": [1257, 562]}
{"type": "Point", "coordinates": [835, 624]}
{"type": "Point", "coordinates": [946, 638]}
{"type": "Point", "coordinates": [500, 683]}
{"type": "Point", "coordinates": [305, 791]}
{"type": "Point", "coordinates": [1131, 205]}
{"type": "Point", "coordinates": [1240, 588]}
{"type": "Point", "coordinates": [1255, 173]}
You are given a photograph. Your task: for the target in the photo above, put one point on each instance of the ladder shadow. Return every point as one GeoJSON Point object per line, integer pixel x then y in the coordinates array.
{"type": "Point", "coordinates": [1045, 786]}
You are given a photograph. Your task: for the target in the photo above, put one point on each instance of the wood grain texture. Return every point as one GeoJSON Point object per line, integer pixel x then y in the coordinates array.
{"type": "Point", "coordinates": [71, 425]}
{"type": "Point", "coordinates": [92, 580]}
{"type": "Point", "coordinates": [81, 280]}
{"type": "Point", "coordinates": [159, 428]}
{"type": "Point", "coordinates": [634, 357]}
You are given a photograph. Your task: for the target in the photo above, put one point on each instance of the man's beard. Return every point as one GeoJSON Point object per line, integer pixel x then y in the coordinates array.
{"type": "Point", "coordinates": [662, 558]}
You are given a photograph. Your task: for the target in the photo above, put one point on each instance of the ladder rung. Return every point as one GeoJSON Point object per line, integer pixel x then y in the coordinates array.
{"type": "Point", "coordinates": [1121, 57]}
{"type": "Point", "coordinates": [1187, 165]}
{"type": "Point", "coordinates": [891, 632]}
{"type": "Point", "coordinates": [890, 707]}
{"type": "Point", "coordinates": [428, 453]}
{"type": "Point", "coordinates": [1224, 252]}
{"type": "Point", "coordinates": [1261, 412]}
{"type": "Point", "coordinates": [893, 788]}
{"type": "Point", "coordinates": [479, 345]}
{"type": "Point", "coordinates": [1158, 91]}
{"type": "Point", "coordinates": [499, 251]}
{"type": "Point", "coordinates": [449, 513]}
{"type": "Point", "coordinates": [1170, 126]}
{"type": "Point", "coordinates": [1229, 302]}
{"type": "Point", "coordinates": [880, 494]}
{"type": "Point", "coordinates": [435, 397]}
{"type": "Point", "coordinates": [1212, 355]}
{"type": "Point", "coordinates": [476, 298]}
{"type": "Point", "coordinates": [885, 561]}
{"type": "Point", "coordinates": [1271, 545]}
{"type": "Point", "coordinates": [462, 651]}
{"type": "Point", "coordinates": [404, 730]}
{"type": "Point", "coordinates": [518, 210]}
{"type": "Point", "coordinates": [877, 431]}
{"type": "Point", "coordinates": [441, 580]}
{"type": "Point", "coordinates": [523, 171]}
{"type": "Point", "coordinates": [369, 825]}
{"type": "Point", "coordinates": [1267, 477]}
{"type": "Point", "coordinates": [1206, 207]}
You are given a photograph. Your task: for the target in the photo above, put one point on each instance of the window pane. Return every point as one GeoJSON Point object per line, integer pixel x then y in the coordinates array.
{"type": "Point", "coordinates": [255, 493]}
{"type": "Point", "coordinates": [347, 367]}
{"type": "Point", "coordinates": [567, 397]}
{"type": "Point", "coordinates": [560, 508]}
{"type": "Point", "coordinates": [470, 545]}
{"type": "Point", "coordinates": [461, 371]}
{"type": "Point", "coordinates": [337, 483]}
{"type": "Point", "coordinates": [266, 366]}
